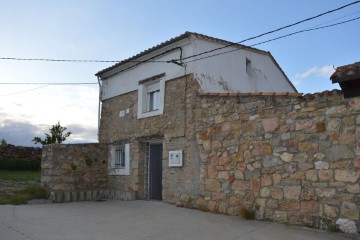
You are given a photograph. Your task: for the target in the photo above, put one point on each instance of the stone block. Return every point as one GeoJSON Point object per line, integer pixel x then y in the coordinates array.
{"type": "Point", "coordinates": [233, 201]}
{"type": "Point", "coordinates": [309, 207]}
{"type": "Point", "coordinates": [335, 110]}
{"type": "Point", "coordinates": [270, 124]}
{"type": "Point", "coordinates": [219, 119]}
{"type": "Point", "coordinates": [287, 157]}
{"type": "Point", "coordinates": [311, 175]}
{"type": "Point", "coordinates": [290, 167]}
{"type": "Point", "coordinates": [280, 216]}
{"type": "Point", "coordinates": [303, 124]}
{"type": "Point", "coordinates": [276, 179]}
{"type": "Point", "coordinates": [339, 152]}
{"type": "Point", "coordinates": [321, 165]}
{"type": "Point", "coordinates": [325, 192]}
{"type": "Point", "coordinates": [277, 193]}
{"type": "Point", "coordinates": [347, 175]}
{"type": "Point", "coordinates": [289, 205]}
{"type": "Point", "coordinates": [330, 211]}
{"type": "Point", "coordinates": [347, 226]}
{"type": "Point", "coordinates": [326, 175]}
{"type": "Point", "coordinates": [266, 180]}
{"type": "Point", "coordinates": [217, 196]}
{"type": "Point", "coordinates": [308, 194]}
{"type": "Point", "coordinates": [239, 185]}
{"type": "Point", "coordinates": [223, 175]}
{"type": "Point", "coordinates": [270, 161]}
{"type": "Point", "coordinates": [264, 192]}
{"type": "Point", "coordinates": [212, 185]}
{"type": "Point", "coordinates": [349, 210]}
{"type": "Point", "coordinates": [345, 164]}
{"type": "Point", "coordinates": [292, 192]}
{"type": "Point", "coordinates": [356, 163]}
{"type": "Point", "coordinates": [353, 188]}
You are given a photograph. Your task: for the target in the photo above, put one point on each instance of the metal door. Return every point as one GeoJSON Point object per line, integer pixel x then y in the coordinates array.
{"type": "Point", "coordinates": [155, 171]}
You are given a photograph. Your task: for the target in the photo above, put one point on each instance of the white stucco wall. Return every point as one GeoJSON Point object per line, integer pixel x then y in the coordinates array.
{"type": "Point", "coordinates": [227, 72]}
{"type": "Point", "coordinates": [128, 81]}
{"type": "Point", "coordinates": [220, 74]}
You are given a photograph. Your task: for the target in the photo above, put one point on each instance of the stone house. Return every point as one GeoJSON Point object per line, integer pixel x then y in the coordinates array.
{"type": "Point", "coordinates": [148, 102]}
{"type": "Point", "coordinates": [219, 134]}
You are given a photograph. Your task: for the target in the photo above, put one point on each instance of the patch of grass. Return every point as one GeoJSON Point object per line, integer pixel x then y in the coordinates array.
{"type": "Point", "coordinates": [24, 195]}
{"type": "Point", "coordinates": [19, 176]}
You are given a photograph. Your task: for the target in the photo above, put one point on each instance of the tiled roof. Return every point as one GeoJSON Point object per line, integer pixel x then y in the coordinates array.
{"type": "Point", "coordinates": [346, 73]}
{"type": "Point", "coordinates": [176, 39]}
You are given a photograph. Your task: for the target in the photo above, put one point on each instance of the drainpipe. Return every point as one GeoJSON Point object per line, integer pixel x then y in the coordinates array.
{"type": "Point", "coordinates": [99, 108]}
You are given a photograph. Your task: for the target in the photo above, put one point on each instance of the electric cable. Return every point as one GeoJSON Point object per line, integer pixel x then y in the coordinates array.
{"type": "Point", "coordinates": [273, 39]}
{"type": "Point", "coordinates": [272, 31]}
{"type": "Point", "coordinates": [74, 60]}
{"type": "Point", "coordinates": [192, 56]}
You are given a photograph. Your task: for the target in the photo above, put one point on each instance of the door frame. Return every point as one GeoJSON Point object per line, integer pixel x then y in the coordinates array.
{"type": "Point", "coordinates": [147, 169]}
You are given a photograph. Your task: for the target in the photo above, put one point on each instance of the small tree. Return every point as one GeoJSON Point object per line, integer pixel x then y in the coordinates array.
{"type": "Point", "coordinates": [56, 135]}
{"type": "Point", "coordinates": [3, 142]}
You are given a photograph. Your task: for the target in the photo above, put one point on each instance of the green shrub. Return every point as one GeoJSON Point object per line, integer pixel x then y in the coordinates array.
{"type": "Point", "coordinates": [73, 166]}
{"type": "Point", "coordinates": [88, 161]}
{"type": "Point", "coordinates": [247, 213]}
{"type": "Point", "coordinates": [20, 164]}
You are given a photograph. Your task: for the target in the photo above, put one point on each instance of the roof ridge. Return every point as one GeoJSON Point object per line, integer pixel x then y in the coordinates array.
{"type": "Point", "coordinates": [176, 39]}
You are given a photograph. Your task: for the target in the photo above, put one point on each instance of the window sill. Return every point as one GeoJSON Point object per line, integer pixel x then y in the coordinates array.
{"type": "Point", "coordinates": [118, 172]}
{"type": "Point", "coordinates": [150, 114]}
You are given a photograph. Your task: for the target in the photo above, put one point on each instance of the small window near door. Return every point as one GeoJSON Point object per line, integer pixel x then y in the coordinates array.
{"type": "Point", "coordinates": [119, 159]}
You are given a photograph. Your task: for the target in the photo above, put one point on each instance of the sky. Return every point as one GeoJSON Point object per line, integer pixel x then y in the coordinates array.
{"type": "Point", "coordinates": [116, 30]}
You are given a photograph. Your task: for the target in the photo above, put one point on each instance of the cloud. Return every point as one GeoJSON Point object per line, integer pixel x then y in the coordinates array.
{"type": "Point", "coordinates": [322, 72]}
{"type": "Point", "coordinates": [18, 132]}
{"type": "Point", "coordinates": [22, 132]}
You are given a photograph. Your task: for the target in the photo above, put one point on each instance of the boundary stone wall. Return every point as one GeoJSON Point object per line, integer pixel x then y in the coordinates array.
{"type": "Point", "coordinates": [295, 160]}
{"type": "Point", "coordinates": [77, 172]}
{"type": "Point", "coordinates": [12, 151]}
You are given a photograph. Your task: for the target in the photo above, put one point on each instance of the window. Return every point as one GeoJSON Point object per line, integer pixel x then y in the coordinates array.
{"type": "Point", "coordinates": [248, 67]}
{"type": "Point", "coordinates": [119, 159]}
{"type": "Point", "coordinates": [151, 96]}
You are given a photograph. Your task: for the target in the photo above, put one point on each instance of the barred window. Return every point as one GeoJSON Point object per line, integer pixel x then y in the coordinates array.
{"type": "Point", "coordinates": [119, 159]}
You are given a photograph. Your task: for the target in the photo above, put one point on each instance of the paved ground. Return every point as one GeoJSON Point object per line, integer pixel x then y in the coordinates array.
{"type": "Point", "coordinates": [139, 220]}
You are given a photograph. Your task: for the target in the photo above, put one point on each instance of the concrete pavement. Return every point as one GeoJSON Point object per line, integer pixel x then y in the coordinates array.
{"type": "Point", "coordinates": [139, 220]}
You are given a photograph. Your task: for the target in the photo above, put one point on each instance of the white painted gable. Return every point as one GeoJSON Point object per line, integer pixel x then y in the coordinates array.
{"type": "Point", "coordinates": [242, 70]}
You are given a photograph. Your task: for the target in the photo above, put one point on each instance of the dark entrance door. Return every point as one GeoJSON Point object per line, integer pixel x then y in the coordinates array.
{"type": "Point", "coordinates": [155, 171]}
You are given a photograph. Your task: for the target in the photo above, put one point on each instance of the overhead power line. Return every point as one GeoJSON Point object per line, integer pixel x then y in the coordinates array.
{"type": "Point", "coordinates": [38, 83]}
{"type": "Point", "coordinates": [272, 31]}
{"type": "Point", "coordinates": [199, 54]}
{"type": "Point", "coordinates": [72, 60]}
{"type": "Point", "coordinates": [277, 38]}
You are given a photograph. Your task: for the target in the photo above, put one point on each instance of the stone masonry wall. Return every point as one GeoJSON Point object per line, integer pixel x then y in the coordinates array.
{"type": "Point", "coordinates": [11, 151]}
{"type": "Point", "coordinates": [75, 172]}
{"type": "Point", "coordinates": [295, 160]}
{"type": "Point", "coordinates": [174, 128]}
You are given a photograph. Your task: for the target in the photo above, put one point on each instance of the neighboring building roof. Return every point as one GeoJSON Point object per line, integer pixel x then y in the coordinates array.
{"type": "Point", "coordinates": [346, 73]}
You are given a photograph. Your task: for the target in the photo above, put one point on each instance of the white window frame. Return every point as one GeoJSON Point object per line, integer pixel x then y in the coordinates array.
{"type": "Point", "coordinates": [144, 91]}
{"type": "Point", "coordinates": [117, 170]}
